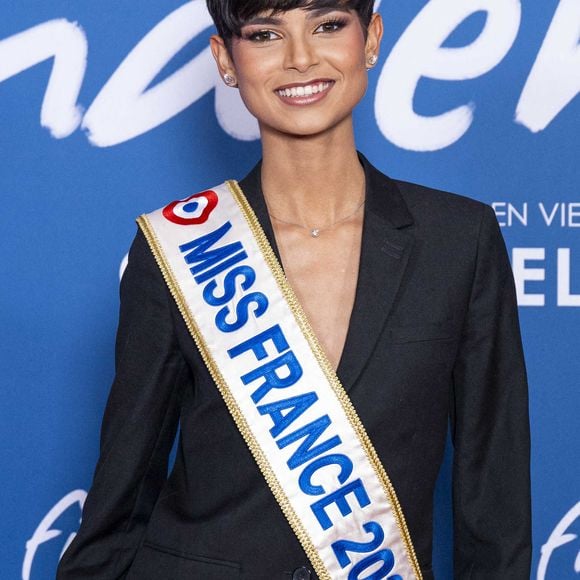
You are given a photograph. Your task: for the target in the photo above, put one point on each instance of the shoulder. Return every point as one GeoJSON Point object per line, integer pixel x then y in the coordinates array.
{"type": "Point", "coordinates": [142, 277]}
{"type": "Point", "coordinates": [428, 205]}
{"type": "Point", "coordinates": [467, 228]}
{"type": "Point", "coordinates": [458, 227]}
{"type": "Point", "coordinates": [429, 210]}
{"type": "Point", "coordinates": [140, 256]}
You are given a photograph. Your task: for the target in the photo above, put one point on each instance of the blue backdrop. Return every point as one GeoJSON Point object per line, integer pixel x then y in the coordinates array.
{"type": "Point", "coordinates": [110, 110]}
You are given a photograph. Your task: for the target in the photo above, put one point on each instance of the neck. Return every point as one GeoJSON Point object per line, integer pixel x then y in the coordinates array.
{"type": "Point", "coordinates": [311, 181]}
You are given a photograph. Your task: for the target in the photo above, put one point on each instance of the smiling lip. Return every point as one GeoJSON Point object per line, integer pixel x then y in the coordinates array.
{"type": "Point", "coordinates": [304, 93]}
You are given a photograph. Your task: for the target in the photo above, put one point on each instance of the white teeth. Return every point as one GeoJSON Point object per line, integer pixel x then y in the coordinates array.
{"type": "Point", "coordinates": [303, 91]}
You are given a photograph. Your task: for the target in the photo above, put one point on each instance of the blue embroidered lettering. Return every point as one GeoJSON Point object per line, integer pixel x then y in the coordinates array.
{"type": "Point", "coordinates": [305, 480]}
{"type": "Point", "coordinates": [342, 547]}
{"type": "Point", "coordinates": [388, 562]}
{"type": "Point", "coordinates": [249, 277]}
{"type": "Point", "coordinates": [242, 312]}
{"type": "Point", "coordinates": [256, 343]}
{"type": "Point", "coordinates": [269, 371]}
{"type": "Point", "coordinates": [297, 406]}
{"type": "Point", "coordinates": [221, 267]}
{"type": "Point", "coordinates": [305, 451]}
{"type": "Point", "coordinates": [338, 497]}
{"type": "Point", "coordinates": [198, 252]}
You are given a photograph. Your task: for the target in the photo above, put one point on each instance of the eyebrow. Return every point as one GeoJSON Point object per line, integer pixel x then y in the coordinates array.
{"type": "Point", "coordinates": [316, 12]}
{"type": "Point", "coordinates": [262, 20]}
{"type": "Point", "coordinates": [310, 15]}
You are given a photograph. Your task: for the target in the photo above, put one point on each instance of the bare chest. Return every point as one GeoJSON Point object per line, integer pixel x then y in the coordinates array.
{"type": "Point", "coordinates": [323, 273]}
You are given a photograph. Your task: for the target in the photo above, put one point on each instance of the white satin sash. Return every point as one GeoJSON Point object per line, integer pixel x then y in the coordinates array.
{"type": "Point", "coordinates": [279, 387]}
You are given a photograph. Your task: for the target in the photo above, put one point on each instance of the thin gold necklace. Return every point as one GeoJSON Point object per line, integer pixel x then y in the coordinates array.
{"type": "Point", "coordinates": [315, 232]}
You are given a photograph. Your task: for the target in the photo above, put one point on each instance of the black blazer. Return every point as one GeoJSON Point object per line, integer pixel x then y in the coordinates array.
{"type": "Point", "coordinates": [433, 339]}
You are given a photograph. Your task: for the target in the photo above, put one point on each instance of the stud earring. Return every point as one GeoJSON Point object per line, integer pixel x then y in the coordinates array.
{"type": "Point", "coordinates": [372, 60]}
{"type": "Point", "coordinates": [229, 80]}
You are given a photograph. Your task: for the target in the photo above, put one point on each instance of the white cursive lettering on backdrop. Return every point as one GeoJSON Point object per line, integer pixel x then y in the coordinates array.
{"type": "Point", "coordinates": [555, 77]}
{"type": "Point", "coordinates": [419, 54]}
{"type": "Point", "coordinates": [44, 531]}
{"type": "Point", "coordinates": [127, 107]}
{"type": "Point", "coordinates": [559, 538]}
{"type": "Point", "coordinates": [66, 43]}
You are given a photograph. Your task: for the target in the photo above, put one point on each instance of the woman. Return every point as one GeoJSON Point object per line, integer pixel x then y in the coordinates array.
{"type": "Point", "coordinates": [410, 295]}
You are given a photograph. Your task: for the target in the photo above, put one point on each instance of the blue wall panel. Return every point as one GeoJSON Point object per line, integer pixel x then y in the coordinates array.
{"type": "Point", "coordinates": [75, 175]}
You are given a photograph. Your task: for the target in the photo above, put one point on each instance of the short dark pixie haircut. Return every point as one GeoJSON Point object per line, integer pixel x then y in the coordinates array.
{"type": "Point", "coordinates": [229, 16]}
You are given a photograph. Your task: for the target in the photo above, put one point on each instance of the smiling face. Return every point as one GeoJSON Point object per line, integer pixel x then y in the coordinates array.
{"type": "Point", "coordinates": [300, 72]}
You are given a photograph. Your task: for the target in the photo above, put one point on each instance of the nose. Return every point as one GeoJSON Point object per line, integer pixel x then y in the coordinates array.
{"type": "Point", "coordinates": [300, 54]}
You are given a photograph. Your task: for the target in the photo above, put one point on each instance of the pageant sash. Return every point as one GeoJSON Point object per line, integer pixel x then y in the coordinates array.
{"type": "Point", "coordinates": [279, 387]}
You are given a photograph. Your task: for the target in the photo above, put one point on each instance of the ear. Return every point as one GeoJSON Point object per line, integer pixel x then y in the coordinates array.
{"type": "Point", "coordinates": [222, 56]}
{"type": "Point", "coordinates": [374, 35]}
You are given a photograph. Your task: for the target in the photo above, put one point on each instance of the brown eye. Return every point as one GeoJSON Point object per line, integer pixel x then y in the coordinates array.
{"type": "Point", "coordinates": [331, 26]}
{"type": "Point", "coordinates": [262, 36]}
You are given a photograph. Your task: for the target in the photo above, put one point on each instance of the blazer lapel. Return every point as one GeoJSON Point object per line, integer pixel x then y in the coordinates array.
{"type": "Point", "coordinates": [386, 246]}
{"type": "Point", "coordinates": [385, 252]}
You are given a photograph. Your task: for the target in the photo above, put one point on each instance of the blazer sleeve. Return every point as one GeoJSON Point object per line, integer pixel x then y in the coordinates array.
{"type": "Point", "coordinates": [138, 428]}
{"type": "Point", "coordinates": [490, 424]}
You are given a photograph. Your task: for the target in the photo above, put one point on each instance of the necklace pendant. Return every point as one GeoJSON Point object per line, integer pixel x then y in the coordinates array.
{"type": "Point", "coordinates": [315, 232]}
